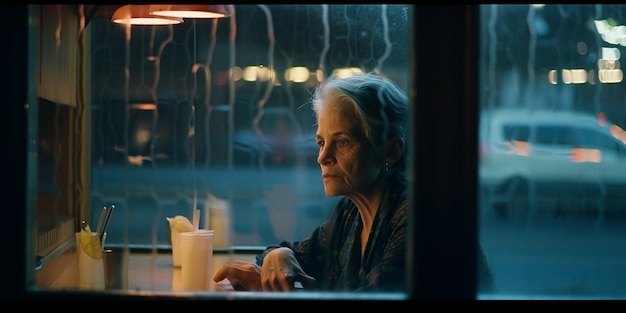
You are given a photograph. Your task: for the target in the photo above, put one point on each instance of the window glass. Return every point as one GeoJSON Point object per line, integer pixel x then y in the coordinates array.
{"type": "Point", "coordinates": [552, 172]}
{"type": "Point", "coordinates": [214, 115]}
{"type": "Point", "coordinates": [208, 115]}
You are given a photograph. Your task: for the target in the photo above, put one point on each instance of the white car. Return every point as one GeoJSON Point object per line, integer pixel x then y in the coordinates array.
{"type": "Point", "coordinates": [550, 161]}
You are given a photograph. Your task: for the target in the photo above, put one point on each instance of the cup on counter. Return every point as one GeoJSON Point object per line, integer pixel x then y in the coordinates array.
{"type": "Point", "coordinates": [196, 249]}
{"type": "Point", "coordinates": [115, 268]}
{"type": "Point", "coordinates": [90, 269]}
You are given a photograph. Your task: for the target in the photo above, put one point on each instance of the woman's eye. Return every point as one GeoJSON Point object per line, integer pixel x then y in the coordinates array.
{"type": "Point", "coordinates": [342, 142]}
{"type": "Point", "coordinates": [320, 143]}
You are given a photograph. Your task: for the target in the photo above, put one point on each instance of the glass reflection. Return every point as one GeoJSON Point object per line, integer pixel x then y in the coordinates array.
{"type": "Point", "coordinates": [175, 124]}
{"type": "Point", "coordinates": [552, 155]}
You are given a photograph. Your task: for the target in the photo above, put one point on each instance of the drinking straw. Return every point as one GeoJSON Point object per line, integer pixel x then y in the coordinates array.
{"type": "Point", "coordinates": [107, 218]}
{"type": "Point", "coordinates": [101, 219]}
{"type": "Point", "coordinates": [196, 220]}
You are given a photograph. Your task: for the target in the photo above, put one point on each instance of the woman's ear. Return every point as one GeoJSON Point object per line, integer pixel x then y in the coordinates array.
{"type": "Point", "coordinates": [395, 147]}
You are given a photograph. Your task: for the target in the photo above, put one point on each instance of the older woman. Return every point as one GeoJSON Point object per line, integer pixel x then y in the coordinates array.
{"type": "Point", "coordinates": [361, 133]}
{"type": "Point", "coordinates": [362, 137]}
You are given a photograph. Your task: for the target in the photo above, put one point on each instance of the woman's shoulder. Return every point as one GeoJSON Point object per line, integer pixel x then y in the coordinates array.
{"type": "Point", "coordinates": [396, 207]}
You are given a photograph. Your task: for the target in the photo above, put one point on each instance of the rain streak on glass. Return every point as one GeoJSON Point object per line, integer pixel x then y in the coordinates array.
{"type": "Point", "coordinates": [552, 166]}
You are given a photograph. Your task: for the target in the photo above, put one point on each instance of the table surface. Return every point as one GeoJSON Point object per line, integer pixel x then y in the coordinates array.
{"type": "Point", "coordinates": [153, 274]}
{"type": "Point", "coordinates": [147, 271]}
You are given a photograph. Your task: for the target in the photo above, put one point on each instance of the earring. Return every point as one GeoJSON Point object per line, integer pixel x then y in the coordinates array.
{"type": "Point", "coordinates": [386, 166]}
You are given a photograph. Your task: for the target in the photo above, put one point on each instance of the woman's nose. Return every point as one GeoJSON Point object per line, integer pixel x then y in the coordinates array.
{"type": "Point", "coordinates": [324, 157]}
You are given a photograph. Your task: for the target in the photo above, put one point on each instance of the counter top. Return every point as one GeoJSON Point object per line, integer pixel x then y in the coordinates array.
{"type": "Point", "coordinates": [152, 274]}
{"type": "Point", "coordinates": [147, 271]}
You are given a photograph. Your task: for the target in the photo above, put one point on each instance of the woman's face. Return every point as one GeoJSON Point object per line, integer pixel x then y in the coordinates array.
{"type": "Point", "coordinates": [350, 165]}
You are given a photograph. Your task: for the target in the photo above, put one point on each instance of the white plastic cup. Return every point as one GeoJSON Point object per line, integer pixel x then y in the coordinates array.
{"type": "Point", "coordinates": [196, 249]}
{"type": "Point", "coordinates": [90, 270]}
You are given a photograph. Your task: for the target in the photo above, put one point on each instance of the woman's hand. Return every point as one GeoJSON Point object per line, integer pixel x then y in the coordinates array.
{"type": "Point", "coordinates": [241, 275]}
{"type": "Point", "coordinates": [281, 270]}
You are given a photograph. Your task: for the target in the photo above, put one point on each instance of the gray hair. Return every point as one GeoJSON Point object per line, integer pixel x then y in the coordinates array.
{"type": "Point", "coordinates": [378, 103]}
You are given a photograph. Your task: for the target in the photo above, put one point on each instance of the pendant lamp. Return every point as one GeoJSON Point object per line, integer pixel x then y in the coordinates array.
{"type": "Point", "coordinates": [190, 10]}
{"type": "Point", "coordinates": [139, 14]}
